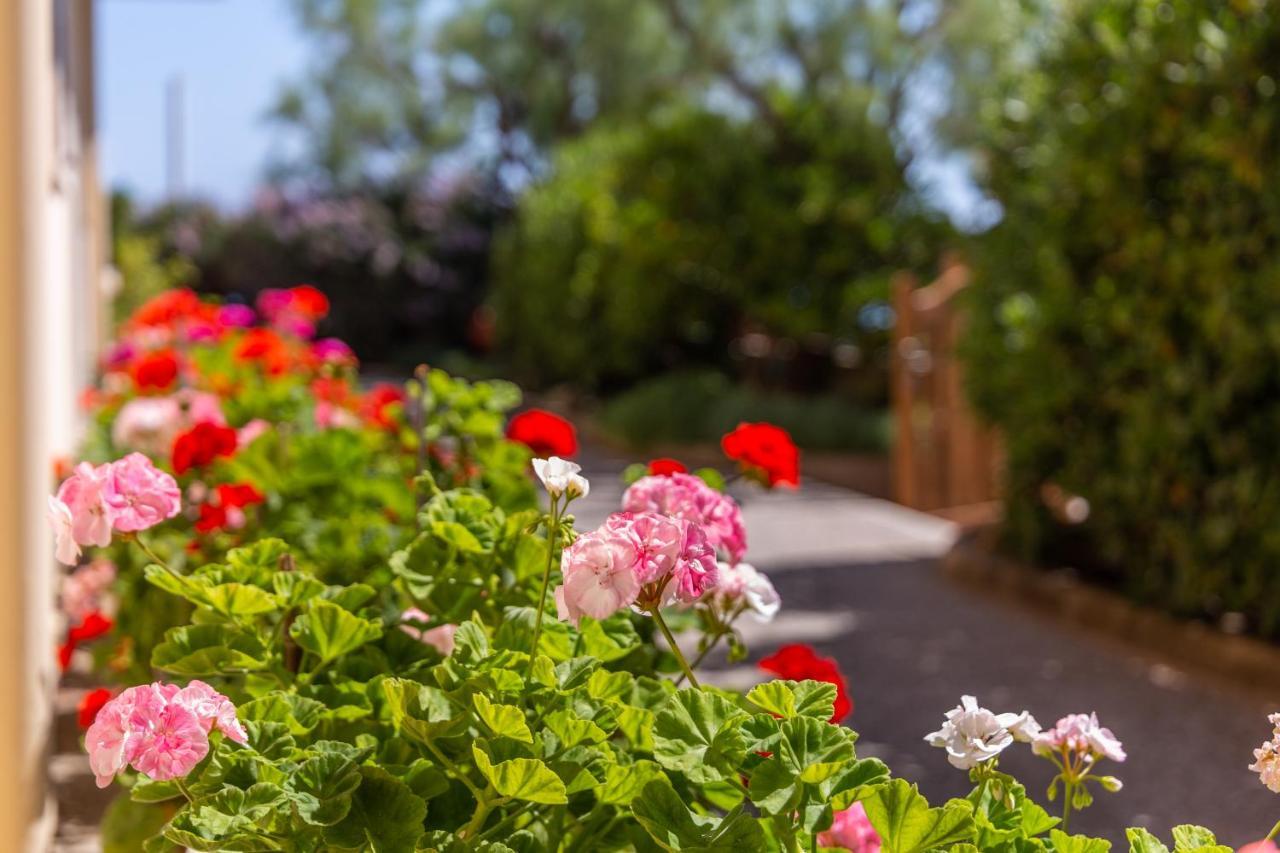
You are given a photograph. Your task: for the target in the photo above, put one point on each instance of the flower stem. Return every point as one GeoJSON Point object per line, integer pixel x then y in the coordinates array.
{"type": "Point", "coordinates": [675, 647]}
{"type": "Point", "coordinates": [553, 528]}
{"type": "Point", "coordinates": [1275, 831]}
{"type": "Point", "coordinates": [1068, 794]}
{"type": "Point", "coordinates": [154, 557]}
{"type": "Point", "coordinates": [186, 792]}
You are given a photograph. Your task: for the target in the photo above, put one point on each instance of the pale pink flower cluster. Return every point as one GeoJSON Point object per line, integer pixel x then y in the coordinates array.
{"type": "Point", "coordinates": [744, 584]}
{"type": "Point", "coordinates": [159, 729]}
{"type": "Point", "coordinates": [1266, 758]}
{"type": "Point", "coordinates": [84, 590]}
{"type": "Point", "coordinates": [851, 829]}
{"type": "Point", "coordinates": [607, 569]}
{"type": "Point", "coordinates": [150, 424]}
{"type": "Point", "coordinates": [688, 498]}
{"type": "Point", "coordinates": [1079, 735]}
{"type": "Point", "coordinates": [127, 495]}
{"type": "Point", "coordinates": [413, 622]}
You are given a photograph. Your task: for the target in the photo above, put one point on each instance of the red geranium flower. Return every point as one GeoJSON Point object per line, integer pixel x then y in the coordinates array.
{"type": "Point", "coordinates": [91, 627]}
{"type": "Point", "coordinates": [799, 662]}
{"type": "Point", "coordinates": [201, 444]}
{"type": "Point", "coordinates": [155, 371]}
{"type": "Point", "coordinates": [765, 452]}
{"type": "Point", "coordinates": [226, 509]}
{"type": "Point", "coordinates": [90, 704]}
{"type": "Point", "coordinates": [308, 301]}
{"type": "Point", "coordinates": [167, 308]}
{"type": "Point", "coordinates": [544, 433]}
{"type": "Point", "coordinates": [266, 348]}
{"type": "Point", "coordinates": [664, 467]}
{"type": "Point", "coordinates": [377, 407]}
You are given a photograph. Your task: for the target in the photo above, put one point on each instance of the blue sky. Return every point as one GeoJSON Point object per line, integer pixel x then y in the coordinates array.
{"type": "Point", "coordinates": [232, 56]}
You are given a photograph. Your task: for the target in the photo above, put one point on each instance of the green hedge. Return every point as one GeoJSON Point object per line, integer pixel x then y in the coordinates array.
{"type": "Point", "coordinates": [1126, 328]}
{"type": "Point", "coordinates": [706, 405]}
{"type": "Point", "coordinates": [651, 246]}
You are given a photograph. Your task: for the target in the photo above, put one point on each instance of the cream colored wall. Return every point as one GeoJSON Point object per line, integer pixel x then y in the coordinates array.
{"type": "Point", "coordinates": [49, 320]}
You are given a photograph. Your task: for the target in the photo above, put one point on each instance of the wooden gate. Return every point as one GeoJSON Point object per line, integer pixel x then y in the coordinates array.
{"type": "Point", "coordinates": [944, 459]}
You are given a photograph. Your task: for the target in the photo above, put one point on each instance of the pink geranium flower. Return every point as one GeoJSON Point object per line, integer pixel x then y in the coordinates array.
{"type": "Point", "coordinates": [695, 571]}
{"type": "Point", "coordinates": [412, 622]}
{"type": "Point", "coordinates": [140, 494]}
{"type": "Point", "coordinates": [656, 538]}
{"type": "Point", "coordinates": [212, 709]}
{"type": "Point", "coordinates": [687, 497]}
{"type": "Point", "coordinates": [159, 729]}
{"type": "Point", "coordinates": [169, 743]}
{"type": "Point", "coordinates": [599, 575]}
{"type": "Point", "coordinates": [1081, 735]}
{"type": "Point", "coordinates": [83, 591]}
{"type": "Point", "coordinates": [852, 830]}
{"type": "Point", "coordinates": [85, 495]}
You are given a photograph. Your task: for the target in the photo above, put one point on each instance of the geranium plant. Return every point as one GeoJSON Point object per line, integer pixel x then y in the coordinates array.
{"type": "Point", "coordinates": [370, 633]}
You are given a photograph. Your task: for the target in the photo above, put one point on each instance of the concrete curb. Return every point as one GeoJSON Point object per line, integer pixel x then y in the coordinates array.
{"type": "Point", "coordinates": [1243, 661]}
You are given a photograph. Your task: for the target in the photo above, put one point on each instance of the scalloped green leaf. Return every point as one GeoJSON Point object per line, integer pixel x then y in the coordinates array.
{"type": "Point", "coordinates": [522, 778]}
{"type": "Point", "coordinates": [329, 631]}
{"type": "Point", "coordinates": [906, 823]}
{"type": "Point", "coordinates": [503, 720]}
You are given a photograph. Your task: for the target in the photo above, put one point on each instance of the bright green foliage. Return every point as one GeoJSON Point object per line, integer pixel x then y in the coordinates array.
{"type": "Point", "coordinates": [1124, 333]}
{"type": "Point", "coordinates": [657, 242]}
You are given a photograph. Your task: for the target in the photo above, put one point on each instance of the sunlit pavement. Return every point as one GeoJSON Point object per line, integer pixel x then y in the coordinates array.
{"type": "Point", "coordinates": [859, 581]}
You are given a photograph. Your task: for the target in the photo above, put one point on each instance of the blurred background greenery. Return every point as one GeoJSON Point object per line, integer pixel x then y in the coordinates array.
{"type": "Point", "coordinates": [686, 214]}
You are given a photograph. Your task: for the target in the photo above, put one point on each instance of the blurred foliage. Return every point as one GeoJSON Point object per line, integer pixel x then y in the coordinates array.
{"type": "Point", "coordinates": [395, 83]}
{"type": "Point", "coordinates": [656, 246]}
{"type": "Point", "coordinates": [711, 405]}
{"type": "Point", "coordinates": [139, 256]}
{"type": "Point", "coordinates": [1126, 331]}
{"type": "Point", "coordinates": [404, 266]}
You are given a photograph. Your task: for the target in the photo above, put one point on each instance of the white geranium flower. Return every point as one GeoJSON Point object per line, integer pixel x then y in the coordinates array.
{"type": "Point", "coordinates": [744, 582]}
{"type": "Point", "coordinates": [561, 477]}
{"type": "Point", "coordinates": [972, 734]}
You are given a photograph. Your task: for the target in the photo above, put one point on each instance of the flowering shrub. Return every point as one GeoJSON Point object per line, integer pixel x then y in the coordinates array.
{"type": "Point", "coordinates": [371, 636]}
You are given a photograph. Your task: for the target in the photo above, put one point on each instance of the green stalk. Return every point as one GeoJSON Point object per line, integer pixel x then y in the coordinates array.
{"type": "Point", "coordinates": [553, 528]}
{"type": "Point", "coordinates": [1275, 830]}
{"type": "Point", "coordinates": [675, 647]}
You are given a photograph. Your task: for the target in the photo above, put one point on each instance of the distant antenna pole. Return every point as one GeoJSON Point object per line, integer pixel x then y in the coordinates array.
{"type": "Point", "coordinates": [175, 141]}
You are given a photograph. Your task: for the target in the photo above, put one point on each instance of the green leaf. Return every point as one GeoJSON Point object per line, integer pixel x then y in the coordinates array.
{"type": "Point", "coordinates": [503, 720]}
{"type": "Point", "coordinates": [623, 782]}
{"type": "Point", "coordinates": [237, 599]}
{"type": "Point", "coordinates": [295, 588]}
{"type": "Point", "coordinates": [213, 649]}
{"type": "Point", "coordinates": [298, 713]}
{"type": "Point", "coordinates": [256, 563]}
{"type": "Point", "coordinates": [329, 631]}
{"type": "Point", "coordinates": [795, 698]}
{"type": "Point", "coordinates": [906, 824]}
{"type": "Point", "coordinates": [1063, 843]}
{"type": "Point", "coordinates": [465, 519]}
{"type": "Point", "coordinates": [609, 640]}
{"type": "Point", "coordinates": [385, 816]}
{"type": "Point", "coordinates": [664, 815]}
{"type": "Point", "coordinates": [522, 778]}
{"type": "Point", "coordinates": [855, 783]}
{"type": "Point", "coordinates": [227, 819]}
{"type": "Point", "coordinates": [421, 712]}
{"type": "Point", "coordinates": [571, 730]}
{"type": "Point", "coordinates": [1187, 837]}
{"type": "Point", "coordinates": [699, 734]}
{"type": "Point", "coordinates": [321, 788]}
